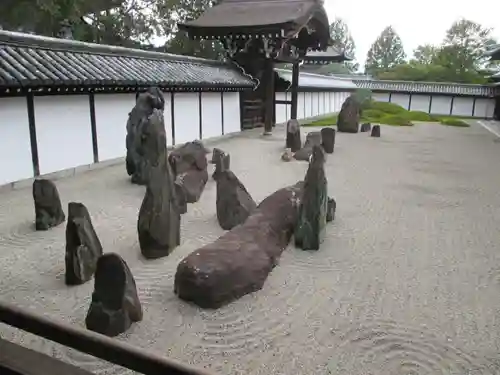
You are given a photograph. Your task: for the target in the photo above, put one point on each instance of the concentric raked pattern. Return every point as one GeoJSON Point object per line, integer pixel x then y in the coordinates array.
{"type": "Point", "coordinates": [406, 281]}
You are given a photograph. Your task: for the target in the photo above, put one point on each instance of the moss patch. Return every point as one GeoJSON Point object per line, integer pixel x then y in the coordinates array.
{"type": "Point", "coordinates": [449, 121]}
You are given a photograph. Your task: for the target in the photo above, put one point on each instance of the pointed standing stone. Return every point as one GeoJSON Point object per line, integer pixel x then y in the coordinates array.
{"type": "Point", "coordinates": [48, 207]}
{"type": "Point", "coordinates": [234, 203]}
{"type": "Point", "coordinates": [159, 220]}
{"type": "Point", "coordinates": [311, 223]}
{"type": "Point", "coordinates": [222, 163]}
{"type": "Point", "coordinates": [83, 247]}
{"type": "Point", "coordinates": [115, 304]}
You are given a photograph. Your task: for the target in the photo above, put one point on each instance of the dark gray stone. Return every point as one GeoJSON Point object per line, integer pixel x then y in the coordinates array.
{"type": "Point", "coordinates": [48, 207]}
{"type": "Point", "coordinates": [189, 164]}
{"type": "Point", "coordinates": [216, 152]}
{"type": "Point", "coordinates": [366, 127]}
{"type": "Point", "coordinates": [312, 139]}
{"type": "Point", "coordinates": [293, 141]}
{"type": "Point", "coordinates": [376, 131]}
{"type": "Point", "coordinates": [311, 223]}
{"type": "Point", "coordinates": [349, 115]}
{"type": "Point", "coordinates": [234, 203]}
{"type": "Point", "coordinates": [145, 104]}
{"type": "Point", "coordinates": [331, 208]}
{"type": "Point", "coordinates": [239, 261]}
{"type": "Point", "coordinates": [115, 304]}
{"type": "Point", "coordinates": [158, 225]}
{"type": "Point", "coordinates": [222, 163]}
{"type": "Point", "coordinates": [328, 139]}
{"type": "Point", "coordinates": [83, 247]}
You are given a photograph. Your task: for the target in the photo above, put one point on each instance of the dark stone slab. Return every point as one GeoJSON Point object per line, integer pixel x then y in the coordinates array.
{"type": "Point", "coordinates": [189, 164]}
{"type": "Point", "coordinates": [328, 139]}
{"type": "Point", "coordinates": [83, 247]}
{"type": "Point", "coordinates": [234, 203]}
{"type": "Point", "coordinates": [293, 141]}
{"type": "Point", "coordinates": [222, 163]}
{"type": "Point", "coordinates": [239, 262]}
{"type": "Point", "coordinates": [348, 119]}
{"type": "Point", "coordinates": [158, 224]}
{"type": "Point", "coordinates": [48, 207]}
{"type": "Point", "coordinates": [376, 131]}
{"type": "Point", "coordinates": [312, 139]}
{"type": "Point", "coordinates": [145, 104]}
{"type": "Point", "coordinates": [366, 127]}
{"type": "Point", "coordinates": [311, 222]}
{"type": "Point", "coordinates": [330, 210]}
{"type": "Point", "coordinates": [115, 304]}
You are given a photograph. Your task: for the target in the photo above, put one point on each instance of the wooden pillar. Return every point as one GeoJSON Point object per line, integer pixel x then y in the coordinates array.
{"type": "Point", "coordinates": [269, 106]}
{"type": "Point", "coordinates": [295, 91]}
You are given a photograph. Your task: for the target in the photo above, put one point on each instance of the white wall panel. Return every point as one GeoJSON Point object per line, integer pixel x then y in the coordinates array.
{"type": "Point", "coordinates": [186, 117]}
{"type": "Point", "coordinates": [111, 114]}
{"type": "Point", "coordinates": [462, 106]}
{"type": "Point", "coordinates": [308, 104]}
{"type": "Point", "coordinates": [211, 114]}
{"type": "Point", "coordinates": [63, 130]}
{"type": "Point", "coordinates": [15, 146]}
{"type": "Point", "coordinates": [420, 103]}
{"type": "Point", "coordinates": [301, 104]}
{"type": "Point", "coordinates": [380, 96]}
{"type": "Point", "coordinates": [441, 105]}
{"type": "Point", "coordinates": [232, 114]}
{"type": "Point", "coordinates": [402, 100]}
{"type": "Point", "coordinates": [484, 108]}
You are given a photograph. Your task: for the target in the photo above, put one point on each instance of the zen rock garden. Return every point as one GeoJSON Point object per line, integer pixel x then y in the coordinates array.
{"type": "Point", "coordinates": [235, 264]}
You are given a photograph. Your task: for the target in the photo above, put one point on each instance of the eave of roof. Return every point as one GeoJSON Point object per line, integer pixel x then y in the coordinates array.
{"type": "Point", "coordinates": [494, 52]}
{"type": "Point", "coordinates": [444, 88]}
{"type": "Point", "coordinates": [331, 55]}
{"type": "Point", "coordinates": [35, 61]}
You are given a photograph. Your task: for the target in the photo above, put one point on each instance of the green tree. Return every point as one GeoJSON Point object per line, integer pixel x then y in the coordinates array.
{"type": "Point", "coordinates": [425, 54]}
{"type": "Point", "coordinates": [343, 41]}
{"type": "Point", "coordinates": [385, 53]}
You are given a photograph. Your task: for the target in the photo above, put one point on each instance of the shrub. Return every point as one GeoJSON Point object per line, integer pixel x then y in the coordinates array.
{"type": "Point", "coordinates": [327, 121]}
{"type": "Point", "coordinates": [389, 108]}
{"type": "Point", "coordinates": [364, 97]}
{"type": "Point", "coordinates": [396, 120]}
{"type": "Point", "coordinates": [372, 115]}
{"type": "Point", "coordinates": [420, 116]}
{"type": "Point", "coordinates": [450, 121]}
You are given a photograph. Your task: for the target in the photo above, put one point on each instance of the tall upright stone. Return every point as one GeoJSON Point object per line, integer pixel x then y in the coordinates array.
{"type": "Point", "coordinates": [115, 304]}
{"type": "Point", "coordinates": [48, 207]}
{"type": "Point", "coordinates": [328, 139]}
{"type": "Point", "coordinates": [158, 224]}
{"type": "Point", "coordinates": [145, 104]}
{"type": "Point", "coordinates": [311, 223]}
{"type": "Point", "coordinates": [83, 247]}
{"type": "Point", "coordinates": [376, 131]}
{"type": "Point", "coordinates": [293, 141]}
{"type": "Point", "coordinates": [222, 163]}
{"type": "Point", "coordinates": [349, 115]}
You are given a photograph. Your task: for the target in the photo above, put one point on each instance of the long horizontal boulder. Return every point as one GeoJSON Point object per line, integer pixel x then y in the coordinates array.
{"type": "Point", "coordinates": [239, 261]}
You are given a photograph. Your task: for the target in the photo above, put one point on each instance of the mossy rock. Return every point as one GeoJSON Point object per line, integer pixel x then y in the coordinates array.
{"type": "Point", "coordinates": [388, 108]}
{"type": "Point", "coordinates": [420, 116]}
{"type": "Point", "coordinates": [449, 121]}
{"type": "Point", "coordinates": [395, 120]}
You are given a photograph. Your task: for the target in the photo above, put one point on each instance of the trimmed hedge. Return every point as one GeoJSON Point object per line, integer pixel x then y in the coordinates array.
{"type": "Point", "coordinates": [395, 120]}
{"type": "Point", "coordinates": [449, 121]}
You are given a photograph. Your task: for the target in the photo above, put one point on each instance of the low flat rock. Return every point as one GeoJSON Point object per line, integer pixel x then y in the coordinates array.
{"type": "Point", "coordinates": [234, 203]}
{"type": "Point", "coordinates": [240, 261]}
{"type": "Point", "coordinates": [312, 139]}
{"type": "Point", "coordinates": [115, 304]}
{"type": "Point", "coordinates": [83, 247]}
{"type": "Point", "coordinates": [366, 127]}
{"type": "Point", "coordinates": [48, 207]}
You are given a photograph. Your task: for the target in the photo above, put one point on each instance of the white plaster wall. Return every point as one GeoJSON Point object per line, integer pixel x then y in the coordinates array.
{"type": "Point", "coordinates": [63, 131]}
{"type": "Point", "coordinates": [301, 105]}
{"type": "Point", "coordinates": [484, 108]}
{"type": "Point", "coordinates": [401, 99]}
{"type": "Point", "coordinates": [441, 105]}
{"type": "Point", "coordinates": [322, 102]}
{"type": "Point", "coordinates": [15, 145]}
{"type": "Point", "coordinates": [337, 101]}
{"type": "Point", "coordinates": [420, 103]}
{"type": "Point", "coordinates": [167, 117]}
{"type": "Point", "coordinates": [380, 96]}
{"type": "Point", "coordinates": [211, 114]}
{"type": "Point", "coordinates": [462, 106]}
{"type": "Point", "coordinates": [329, 99]}
{"type": "Point", "coordinates": [308, 104]}
{"type": "Point", "coordinates": [316, 101]}
{"type": "Point", "coordinates": [186, 117]}
{"type": "Point", "coordinates": [281, 109]}
{"type": "Point", "coordinates": [232, 116]}
{"type": "Point", "coordinates": [111, 115]}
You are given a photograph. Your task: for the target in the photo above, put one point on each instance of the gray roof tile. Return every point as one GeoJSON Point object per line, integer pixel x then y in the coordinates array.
{"type": "Point", "coordinates": [34, 61]}
{"type": "Point", "coordinates": [446, 88]}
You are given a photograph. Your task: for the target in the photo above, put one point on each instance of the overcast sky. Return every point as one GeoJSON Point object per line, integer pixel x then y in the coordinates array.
{"type": "Point", "coordinates": [417, 21]}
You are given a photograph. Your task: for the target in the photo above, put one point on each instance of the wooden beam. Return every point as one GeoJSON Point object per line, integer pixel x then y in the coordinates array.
{"type": "Point", "coordinates": [295, 91]}
{"type": "Point", "coordinates": [269, 90]}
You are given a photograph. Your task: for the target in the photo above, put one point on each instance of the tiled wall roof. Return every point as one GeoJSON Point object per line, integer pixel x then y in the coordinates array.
{"type": "Point", "coordinates": [34, 61]}
{"type": "Point", "coordinates": [445, 88]}
{"type": "Point", "coordinates": [318, 81]}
